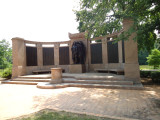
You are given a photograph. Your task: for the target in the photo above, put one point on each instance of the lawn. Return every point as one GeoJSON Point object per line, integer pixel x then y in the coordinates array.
{"type": "Point", "coordinates": [54, 115]}
{"type": "Point", "coordinates": [147, 67]}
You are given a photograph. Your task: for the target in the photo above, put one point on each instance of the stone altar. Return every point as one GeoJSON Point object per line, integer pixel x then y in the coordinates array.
{"type": "Point", "coordinates": [56, 75]}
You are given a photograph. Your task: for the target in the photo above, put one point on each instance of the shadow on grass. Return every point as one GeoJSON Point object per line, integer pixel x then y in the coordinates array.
{"type": "Point", "coordinates": [49, 114]}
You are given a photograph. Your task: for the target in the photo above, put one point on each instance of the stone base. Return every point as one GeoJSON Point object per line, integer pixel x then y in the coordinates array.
{"type": "Point", "coordinates": [63, 85]}
{"type": "Point", "coordinates": [56, 75]}
{"type": "Point", "coordinates": [77, 68]}
{"type": "Point", "coordinates": [132, 72]}
{"type": "Point", "coordinates": [54, 81]}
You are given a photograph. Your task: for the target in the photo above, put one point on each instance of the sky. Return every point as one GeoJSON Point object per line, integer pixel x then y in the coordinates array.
{"type": "Point", "coordinates": [37, 20]}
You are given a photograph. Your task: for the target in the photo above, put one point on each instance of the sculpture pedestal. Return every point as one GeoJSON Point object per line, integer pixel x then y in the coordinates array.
{"type": "Point", "coordinates": [77, 68]}
{"type": "Point", "coordinates": [56, 74]}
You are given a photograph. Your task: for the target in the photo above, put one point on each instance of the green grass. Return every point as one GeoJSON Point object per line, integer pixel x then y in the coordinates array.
{"type": "Point", "coordinates": [147, 67]}
{"type": "Point", "coordinates": [53, 115]}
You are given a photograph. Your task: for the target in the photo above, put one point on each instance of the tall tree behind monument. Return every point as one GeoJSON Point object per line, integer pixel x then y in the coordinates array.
{"type": "Point", "coordinates": [101, 17]}
{"type": "Point", "coordinates": [5, 54]}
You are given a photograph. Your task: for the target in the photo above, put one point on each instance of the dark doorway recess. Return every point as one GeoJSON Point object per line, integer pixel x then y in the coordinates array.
{"type": "Point", "coordinates": [64, 55]}
{"type": "Point", "coordinates": [112, 52]}
{"type": "Point", "coordinates": [48, 56]}
{"type": "Point", "coordinates": [96, 53]}
{"type": "Point", "coordinates": [31, 56]}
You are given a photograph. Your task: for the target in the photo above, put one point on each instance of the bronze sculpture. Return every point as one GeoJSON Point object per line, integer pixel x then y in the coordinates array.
{"type": "Point", "coordinates": [78, 52]}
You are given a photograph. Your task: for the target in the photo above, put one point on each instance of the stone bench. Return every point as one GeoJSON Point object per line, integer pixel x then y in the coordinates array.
{"type": "Point", "coordinates": [118, 71]}
{"type": "Point", "coordinates": [44, 71]}
{"type": "Point", "coordinates": [41, 71]}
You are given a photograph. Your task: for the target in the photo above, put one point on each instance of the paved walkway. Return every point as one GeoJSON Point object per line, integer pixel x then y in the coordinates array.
{"type": "Point", "coordinates": [18, 100]}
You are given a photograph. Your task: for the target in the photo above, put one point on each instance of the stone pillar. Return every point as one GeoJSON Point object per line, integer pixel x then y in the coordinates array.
{"type": "Point", "coordinates": [56, 75]}
{"type": "Point", "coordinates": [19, 57]}
{"type": "Point", "coordinates": [39, 54]}
{"type": "Point", "coordinates": [131, 67]}
{"type": "Point", "coordinates": [104, 51]}
{"type": "Point", "coordinates": [56, 54]}
{"type": "Point", "coordinates": [89, 54]}
{"type": "Point", "coordinates": [120, 52]}
{"type": "Point", "coordinates": [70, 52]}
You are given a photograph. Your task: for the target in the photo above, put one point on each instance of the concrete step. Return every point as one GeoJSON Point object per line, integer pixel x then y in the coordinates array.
{"type": "Point", "coordinates": [31, 80]}
{"type": "Point", "coordinates": [42, 76]}
{"type": "Point", "coordinates": [19, 82]}
{"type": "Point", "coordinates": [48, 76]}
{"type": "Point", "coordinates": [47, 85]}
{"type": "Point", "coordinates": [108, 82]}
{"type": "Point", "coordinates": [36, 76]}
{"type": "Point", "coordinates": [67, 76]}
{"type": "Point", "coordinates": [100, 78]}
{"type": "Point", "coordinates": [63, 85]}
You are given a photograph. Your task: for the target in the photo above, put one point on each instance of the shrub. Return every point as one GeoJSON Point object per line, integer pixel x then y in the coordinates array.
{"type": "Point", "coordinates": [145, 74]}
{"type": "Point", "coordinates": [7, 73]}
{"type": "Point", "coordinates": [154, 58]}
{"type": "Point", "coordinates": [155, 76]}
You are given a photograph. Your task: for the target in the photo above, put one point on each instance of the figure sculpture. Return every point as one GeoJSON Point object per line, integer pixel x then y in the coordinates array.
{"type": "Point", "coordinates": [78, 52]}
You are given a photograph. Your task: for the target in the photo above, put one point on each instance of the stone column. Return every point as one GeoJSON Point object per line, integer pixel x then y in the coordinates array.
{"type": "Point", "coordinates": [131, 68]}
{"type": "Point", "coordinates": [104, 51]}
{"type": "Point", "coordinates": [56, 75]}
{"type": "Point", "coordinates": [70, 52]}
{"type": "Point", "coordinates": [120, 51]}
{"type": "Point", "coordinates": [39, 54]}
{"type": "Point", "coordinates": [89, 54]}
{"type": "Point", "coordinates": [56, 54]}
{"type": "Point", "coordinates": [19, 57]}
{"type": "Point", "coordinates": [15, 57]}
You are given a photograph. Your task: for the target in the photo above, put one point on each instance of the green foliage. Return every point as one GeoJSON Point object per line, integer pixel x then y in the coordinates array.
{"type": "Point", "coordinates": [1, 70]}
{"type": "Point", "coordinates": [154, 58]}
{"type": "Point", "coordinates": [157, 44]}
{"type": "Point", "coordinates": [142, 57]}
{"type": "Point", "coordinates": [145, 74]}
{"type": "Point", "coordinates": [155, 76]}
{"type": "Point", "coordinates": [102, 17]}
{"type": "Point", "coordinates": [7, 73]}
{"type": "Point", "coordinates": [5, 54]}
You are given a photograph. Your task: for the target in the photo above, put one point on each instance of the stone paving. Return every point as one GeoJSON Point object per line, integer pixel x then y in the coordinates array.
{"type": "Point", "coordinates": [18, 100]}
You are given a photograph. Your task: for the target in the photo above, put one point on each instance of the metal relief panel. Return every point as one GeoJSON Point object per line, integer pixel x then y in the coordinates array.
{"type": "Point", "coordinates": [112, 52]}
{"type": "Point", "coordinates": [48, 56]}
{"type": "Point", "coordinates": [31, 56]}
{"type": "Point", "coordinates": [64, 55]}
{"type": "Point", "coordinates": [96, 53]}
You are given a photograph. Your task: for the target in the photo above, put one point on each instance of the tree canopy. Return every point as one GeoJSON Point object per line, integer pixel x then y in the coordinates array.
{"type": "Point", "coordinates": [5, 54]}
{"type": "Point", "coordinates": [102, 17]}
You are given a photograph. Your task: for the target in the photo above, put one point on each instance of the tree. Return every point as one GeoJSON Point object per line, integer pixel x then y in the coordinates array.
{"type": "Point", "coordinates": [154, 58]}
{"type": "Point", "coordinates": [102, 17]}
{"type": "Point", "coordinates": [5, 54]}
{"type": "Point", "coordinates": [142, 57]}
{"type": "Point", "coordinates": [157, 44]}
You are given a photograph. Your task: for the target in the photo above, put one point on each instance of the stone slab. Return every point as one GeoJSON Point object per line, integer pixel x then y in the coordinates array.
{"type": "Point", "coordinates": [77, 68]}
